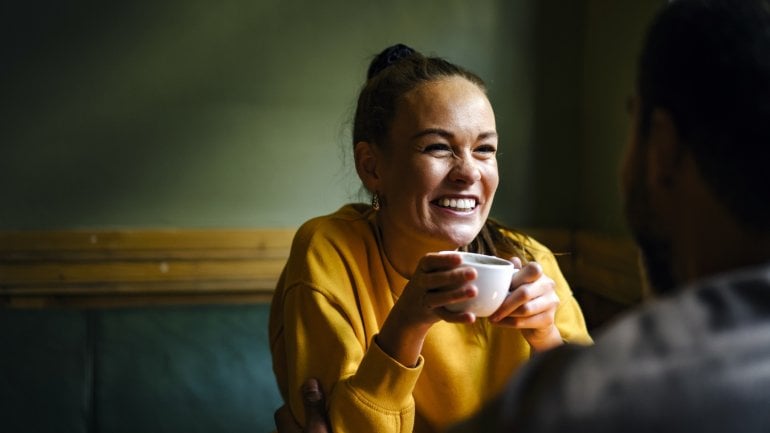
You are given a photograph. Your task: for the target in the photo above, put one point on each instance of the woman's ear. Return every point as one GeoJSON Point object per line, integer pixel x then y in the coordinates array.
{"type": "Point", "coordinates": [367, 158]}
{"type": "Point", "coordinates": [665, 149]}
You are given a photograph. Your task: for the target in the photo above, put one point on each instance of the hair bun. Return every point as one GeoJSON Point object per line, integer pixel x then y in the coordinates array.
{"type": "Point", "coordinates": [387, 57]}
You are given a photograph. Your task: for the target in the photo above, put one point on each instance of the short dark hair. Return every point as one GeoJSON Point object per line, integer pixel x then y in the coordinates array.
{"type": "Point", "coordinates": [707, 62]}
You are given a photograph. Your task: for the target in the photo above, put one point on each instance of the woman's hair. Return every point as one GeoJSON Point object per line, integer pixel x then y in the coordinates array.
{"type": "Point", "coordinates": [393, 73]}
{"type": "Point", "coordinates": [493, 240]}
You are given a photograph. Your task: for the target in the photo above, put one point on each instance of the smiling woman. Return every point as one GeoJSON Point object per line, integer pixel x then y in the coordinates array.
{"type": "Point", "coordinates": [363, 286]}
{"type": "Point", "coordinates": [440, 152]}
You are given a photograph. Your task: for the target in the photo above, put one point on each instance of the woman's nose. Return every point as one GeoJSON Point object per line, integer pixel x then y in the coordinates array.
{"type": "Point", "coordinates": [466, 169]}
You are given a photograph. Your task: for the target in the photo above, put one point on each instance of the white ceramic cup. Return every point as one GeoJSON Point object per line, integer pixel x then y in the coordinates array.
{"type": "Point", "coordinates": [493, 281]}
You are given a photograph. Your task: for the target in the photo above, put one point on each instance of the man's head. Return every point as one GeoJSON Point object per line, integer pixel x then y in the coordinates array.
{"type": "Point", "coordinates": [705, 70]}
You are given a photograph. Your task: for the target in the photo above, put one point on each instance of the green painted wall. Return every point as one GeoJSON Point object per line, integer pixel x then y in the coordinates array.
{"type": "Point", "coordinates": [236, 114]}
{"type": "Point", "coordinates": [613, 37]}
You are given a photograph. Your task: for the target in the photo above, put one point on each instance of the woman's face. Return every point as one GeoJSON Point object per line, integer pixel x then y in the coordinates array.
{"type": "Point", "coordinates": [438, 171]}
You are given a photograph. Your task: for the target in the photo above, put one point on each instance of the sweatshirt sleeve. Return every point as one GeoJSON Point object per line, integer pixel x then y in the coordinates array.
{"type": "Point", "coordinates": [366, 389]}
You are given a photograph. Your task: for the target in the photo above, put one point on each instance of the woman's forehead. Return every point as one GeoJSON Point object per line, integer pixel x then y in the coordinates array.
{"type": "Point", "coordinates": [450, 101]}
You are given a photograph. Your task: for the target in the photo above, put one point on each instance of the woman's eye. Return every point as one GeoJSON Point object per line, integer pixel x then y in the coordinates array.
{"type": "Point", "coordinates": [487, 149]}
{"type": "Point", "coordinates": [439, 148]}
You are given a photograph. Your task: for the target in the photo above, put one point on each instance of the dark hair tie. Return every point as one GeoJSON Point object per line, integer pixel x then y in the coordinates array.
{"type": "Point", "coordinates": [387, 57]}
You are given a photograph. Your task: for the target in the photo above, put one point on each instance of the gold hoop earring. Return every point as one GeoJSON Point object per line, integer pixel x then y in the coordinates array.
{"type": "Point", "coordinates": [376, 201]}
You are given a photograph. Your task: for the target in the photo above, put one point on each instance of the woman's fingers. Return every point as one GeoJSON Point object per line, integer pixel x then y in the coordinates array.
{"type": "Point", "coordinates": [545, 302]}
{"type": "Point", "coordinates": [529, 273]}
{"type": "Point", "coordinates": [533, 314]}
{"type": "Point", "coordinates": [437, 271]}
{"type": "Point", "coordinates": [315, 407]}
{"type": "Point", "coordinates": [436, 298]}
{"type": "Point", "coordinates": [443, 281]}
{"type": "Point", "coordinates": [534, 293]}
{"type": "Point", "coordinates": [438, 262]}
{"type": "Point", "coordinates": [449, 316]}
{"type": "Point", "coordinates": [439, 280]}
{"type": "Point", "coordinates": [540, 320]}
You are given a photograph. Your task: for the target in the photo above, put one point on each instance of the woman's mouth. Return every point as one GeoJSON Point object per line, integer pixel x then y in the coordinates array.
{"type": "Point", "coordinates": [457, 204]}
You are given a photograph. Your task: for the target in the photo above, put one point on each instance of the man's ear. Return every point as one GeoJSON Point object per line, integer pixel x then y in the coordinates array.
{"type": "Point", "coordinates": [368, 159]}
{"type": "Point", "coordinates": [665, 149]}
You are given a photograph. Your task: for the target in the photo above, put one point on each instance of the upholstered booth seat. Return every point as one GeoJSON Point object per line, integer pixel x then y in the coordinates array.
{"type": "Point", "coordinates": [150, 369]}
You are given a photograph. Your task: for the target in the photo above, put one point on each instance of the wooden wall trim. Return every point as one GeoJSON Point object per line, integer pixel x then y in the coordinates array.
{"type": "Point", "coordinates": [113, 268]}
{"type": "Point", "coordinates": [112, 244]}
{"type": "Point", "coordinates": [135, 267]}
{"type": "Point", "coordinates": [607, 266]}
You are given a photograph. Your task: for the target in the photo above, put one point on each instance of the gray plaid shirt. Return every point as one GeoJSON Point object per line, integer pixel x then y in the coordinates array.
{"type": "Point", "coordinates": [697, 361]}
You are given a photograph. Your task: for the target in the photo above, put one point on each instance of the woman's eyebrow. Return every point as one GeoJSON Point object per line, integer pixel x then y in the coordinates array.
{"type": "Point", "coordinates": [446, 134]}
{"type": "Point", "coordinates": [433, 131]}
{"type": "Point", "coordinates": [488, 134]}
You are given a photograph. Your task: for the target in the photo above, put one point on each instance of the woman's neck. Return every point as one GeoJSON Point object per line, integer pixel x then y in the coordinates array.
{"type": "Point", "coordinates": [403, 252]}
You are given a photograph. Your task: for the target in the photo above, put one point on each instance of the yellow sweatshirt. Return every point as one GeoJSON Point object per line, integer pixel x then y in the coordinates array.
{"type": "Point", "coordinates": [334, 294]}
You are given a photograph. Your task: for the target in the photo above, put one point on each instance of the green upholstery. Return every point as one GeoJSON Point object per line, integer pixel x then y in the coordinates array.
{"type": "Point", "coordinates": [163, 369]}
{"type": "Point", "coordinates": [44, 371]}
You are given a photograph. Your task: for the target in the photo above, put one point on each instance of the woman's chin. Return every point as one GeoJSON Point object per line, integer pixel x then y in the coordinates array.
{"type": "Point", "coordinates": [461, 238]}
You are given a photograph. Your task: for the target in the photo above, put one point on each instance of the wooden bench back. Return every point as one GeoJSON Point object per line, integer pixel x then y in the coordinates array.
{"type": "Point", "coordinates": [105, 268]}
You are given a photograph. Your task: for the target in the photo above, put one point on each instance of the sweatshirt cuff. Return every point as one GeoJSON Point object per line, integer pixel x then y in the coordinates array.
{"type": "Point", "coordinates": [385, 382]}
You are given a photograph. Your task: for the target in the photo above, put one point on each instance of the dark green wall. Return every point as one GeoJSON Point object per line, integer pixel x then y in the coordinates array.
{"type": "Point", "coordinates": [235, 114]}
{"type": "Point", "coordinates": [613, 36]}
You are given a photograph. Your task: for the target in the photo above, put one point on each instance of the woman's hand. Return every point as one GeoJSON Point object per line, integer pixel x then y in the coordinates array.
{"type": "Point", "coordinates": [531, 307]}
{"type": "Point", "coordinates": [315, 412]}
{"type": "Point", "coordinates": [438, 281]}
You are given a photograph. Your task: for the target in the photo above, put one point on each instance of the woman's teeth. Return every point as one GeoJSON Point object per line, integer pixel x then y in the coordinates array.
{"type": "Point", "coordinates": [462, 204]}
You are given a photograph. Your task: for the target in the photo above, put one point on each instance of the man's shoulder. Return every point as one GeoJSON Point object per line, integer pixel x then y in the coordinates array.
{"type": "Point", "coordinates": [686, 361]}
